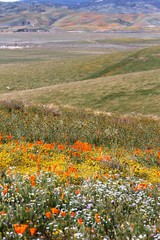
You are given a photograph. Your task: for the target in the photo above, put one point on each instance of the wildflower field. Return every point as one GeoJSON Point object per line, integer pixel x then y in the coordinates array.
{"type": "Point", "coordinates": [68, 174]}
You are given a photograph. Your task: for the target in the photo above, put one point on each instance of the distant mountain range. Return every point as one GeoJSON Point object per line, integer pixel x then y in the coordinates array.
{"type": "Point", "coordinates": [120, 6]}
{"type": "Point", "coordinates": [80, 15]}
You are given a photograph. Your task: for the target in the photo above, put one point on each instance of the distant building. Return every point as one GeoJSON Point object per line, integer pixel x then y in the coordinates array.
{"type": "Point", "coordinates": [31, 30]}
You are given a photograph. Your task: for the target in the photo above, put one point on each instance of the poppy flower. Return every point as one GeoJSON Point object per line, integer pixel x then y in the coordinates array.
{"type": "Point", "coordinates": [3, 213]}
{"type": "Point", "coordinates": [77, 192]}
{"type": "Point", "coordinates": [63, 214]}
{"type": "Point", "coordinates": [73, 214]}
{"type": "Point", "coordinates": [32, 231]}
{"type": "Point", "coordinates": [80, 221]}
{"type": "Point", "coordinates": [20, 229]}
{"type": "Point", "coordinates": [55, 210]}
{"type": "Point", "coordinates": [48, 215]}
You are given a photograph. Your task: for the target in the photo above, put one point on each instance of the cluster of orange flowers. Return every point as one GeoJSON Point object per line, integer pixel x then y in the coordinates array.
{"type": "Point", "coordinates": [141, 186]}
{"type": "Point", "coordinates": [20, 229]}
{"type": "Point", "coordinates": [56, 211]}
{"type": "Point", "coordinates": [33, 180]}
{"type": "Point", "coordinates": [82, 146]}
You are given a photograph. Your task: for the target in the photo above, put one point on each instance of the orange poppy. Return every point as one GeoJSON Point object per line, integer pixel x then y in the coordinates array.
{"type": "Point", "coordinates": [32, 156]}
{"type": "Point", "coordinates": [20, 229]}
{"type": "Point", "coordinates": [61, 147]}
{"type": "Point", "coordinates": [33, 183]}
{"type": "Point", "coordinates": [73, 214]}
{"type": "Point", "coordinates": [77, 192]}
{"type": "Point", "coordinates": [98, 220]}
{"type": "Point", "coordinates": [142, 186]}
{"type": "Point", "coordinates": [32, 231]}
{"type": "Point", "coordinates": [67, 173]}
{"type": "Point", "coordinates": [9, 137]}
{"type": "Point", "coordinates": [48, 215]}
{"type": "Point", "coordinates": [80, 221]}
{"type": "Point", "coordinates": [55, 210]}
{"type": "Point", "coordinates": [74, 154]}
{"type": "Point", "coordinates": [5, 190]}
{"type": "Point", "coordinates": [39, 142]}
{"type": "Point", "coordinates": [32, 178]}
{"type": "Point", "coordinates": [63, 214]}
{"type": "Point", "coordinates": [72, 169]}
{"type": "Point", "coordinates": [3, 213]}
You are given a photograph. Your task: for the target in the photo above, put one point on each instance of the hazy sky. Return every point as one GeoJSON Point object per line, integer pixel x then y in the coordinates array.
{"type": "Point", "coordinates": [9, 0]}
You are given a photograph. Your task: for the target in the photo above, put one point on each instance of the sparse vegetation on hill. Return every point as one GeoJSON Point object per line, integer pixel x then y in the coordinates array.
{"type": "Point", "coordinates": [51, 124]}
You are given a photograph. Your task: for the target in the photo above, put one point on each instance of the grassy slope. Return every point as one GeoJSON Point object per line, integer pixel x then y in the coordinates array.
{"type": "Point", "coordinates": [40, 69]}
{"type": "Point", "coordinates": [134, 92]}
{"type": "Point", "coordinates": [134, 89]}
{"type": "Point", "coordinates": [141, 60]}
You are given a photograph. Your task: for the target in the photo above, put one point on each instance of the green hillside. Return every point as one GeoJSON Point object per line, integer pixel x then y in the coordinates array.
{"type": "Point", "coordinates": [125, 82]}
{"type": "Point", "coordinates": [141, 60]}
{"type": "Point", "coordinates": [30, 72]}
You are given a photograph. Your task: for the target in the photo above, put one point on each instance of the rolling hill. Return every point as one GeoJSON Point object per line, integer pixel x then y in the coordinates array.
{"type": "Point", "coordinates": [107, 5]}
{"type": "Point", "coordinates": [123, 82]}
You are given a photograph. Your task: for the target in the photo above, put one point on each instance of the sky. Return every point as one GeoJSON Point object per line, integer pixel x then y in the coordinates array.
{"type": "Point", "coordinates": [9, 0]}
